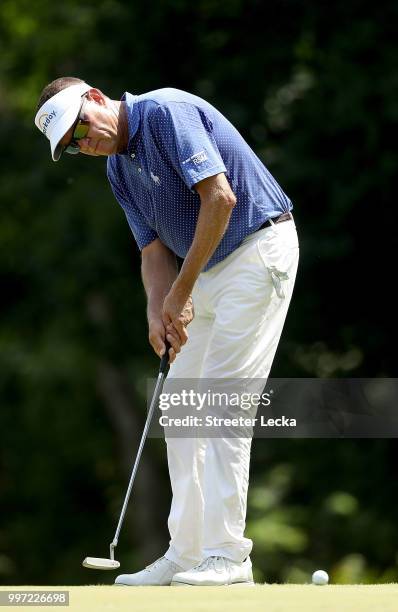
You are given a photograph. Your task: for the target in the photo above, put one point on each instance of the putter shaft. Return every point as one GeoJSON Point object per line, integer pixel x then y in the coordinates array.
{"type": "Point", "coordinates": [159, 383]}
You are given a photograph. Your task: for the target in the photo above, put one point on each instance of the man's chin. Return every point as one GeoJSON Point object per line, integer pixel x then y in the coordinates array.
{"type": "Point", "coordinates": [105, 151]}
{"type": "Point", "coordinates": [97, 153]}
{"type": "Point", "coordinates": [102, 149]}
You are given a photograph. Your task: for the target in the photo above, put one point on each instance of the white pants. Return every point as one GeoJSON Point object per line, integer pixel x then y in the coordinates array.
{"type": "Point", "coordinates": [240, 308]}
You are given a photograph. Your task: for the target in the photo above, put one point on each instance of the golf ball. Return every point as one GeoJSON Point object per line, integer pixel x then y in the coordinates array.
{"type": "Point", "coordinates": [320, 577]}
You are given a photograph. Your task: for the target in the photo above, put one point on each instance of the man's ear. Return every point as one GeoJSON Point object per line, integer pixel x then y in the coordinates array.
{"type": "Point", "coordinates": [96, 95]}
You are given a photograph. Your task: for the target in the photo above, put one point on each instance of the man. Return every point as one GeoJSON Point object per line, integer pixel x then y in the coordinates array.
{"type": "Point", "coordinates": [191, 186]}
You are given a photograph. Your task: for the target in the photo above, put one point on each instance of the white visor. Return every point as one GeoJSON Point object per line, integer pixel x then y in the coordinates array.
{"type": "Point", "coordinates": [58, 115]}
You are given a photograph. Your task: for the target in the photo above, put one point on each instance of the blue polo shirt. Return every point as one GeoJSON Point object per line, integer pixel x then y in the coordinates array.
{"type": "Point", "coordinates": [177, 139]}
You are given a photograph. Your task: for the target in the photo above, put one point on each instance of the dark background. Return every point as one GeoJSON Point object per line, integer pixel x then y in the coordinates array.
{"type": "Point", "coordinates": [312, 86]}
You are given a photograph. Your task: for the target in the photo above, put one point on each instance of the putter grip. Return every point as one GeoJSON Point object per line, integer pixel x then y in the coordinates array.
{"type": "Point", "coordinates": [164, 362]}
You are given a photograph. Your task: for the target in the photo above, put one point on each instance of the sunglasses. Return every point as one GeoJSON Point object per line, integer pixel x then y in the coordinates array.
{"type": "Point", "coordinates": [80, 131]}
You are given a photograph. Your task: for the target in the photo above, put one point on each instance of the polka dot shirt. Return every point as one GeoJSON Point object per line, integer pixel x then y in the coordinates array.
{"type": "Point", "coordinates": [177, 139]}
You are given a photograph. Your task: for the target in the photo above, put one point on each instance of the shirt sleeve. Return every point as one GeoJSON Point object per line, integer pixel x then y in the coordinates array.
{"type": "Point", "coordinates": [184, 134]}
{"type": "Point", "coordinates": [142, 232]}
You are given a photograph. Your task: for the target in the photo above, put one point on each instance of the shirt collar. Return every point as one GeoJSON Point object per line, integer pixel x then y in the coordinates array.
{"type": "Point", "coordinates": [133, 116]}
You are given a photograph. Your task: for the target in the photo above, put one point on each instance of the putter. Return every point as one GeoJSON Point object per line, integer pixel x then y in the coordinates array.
{"type": "Point", "coordinates": [111, 563]}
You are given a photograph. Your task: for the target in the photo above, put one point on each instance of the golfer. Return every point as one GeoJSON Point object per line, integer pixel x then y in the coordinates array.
{"type": "Point", "coordinates": [190, 186]}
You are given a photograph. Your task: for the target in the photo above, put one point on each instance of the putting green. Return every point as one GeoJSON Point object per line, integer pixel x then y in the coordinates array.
{"type": "Point", "coordinates": [267, 598]}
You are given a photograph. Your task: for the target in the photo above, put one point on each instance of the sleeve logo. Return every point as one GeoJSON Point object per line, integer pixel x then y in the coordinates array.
{"type": "Point", "coordinates": [197, 158]}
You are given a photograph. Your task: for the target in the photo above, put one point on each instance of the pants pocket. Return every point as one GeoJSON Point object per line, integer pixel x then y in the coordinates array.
{"type": "Point", "coordinates": [278, 253]}
{"type": "Point", "coordinates": [277, 277]}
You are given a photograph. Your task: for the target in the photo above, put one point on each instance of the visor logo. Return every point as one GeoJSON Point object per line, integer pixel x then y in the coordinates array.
{"type": "Point", "coordinates": [45, 120]}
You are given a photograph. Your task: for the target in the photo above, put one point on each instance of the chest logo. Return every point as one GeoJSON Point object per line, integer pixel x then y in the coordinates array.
{"type": "Point", "coordinates": [155, 179]}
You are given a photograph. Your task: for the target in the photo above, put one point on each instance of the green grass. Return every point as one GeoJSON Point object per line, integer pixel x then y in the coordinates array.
{"type": "Point", "coordinates": [267, 598]}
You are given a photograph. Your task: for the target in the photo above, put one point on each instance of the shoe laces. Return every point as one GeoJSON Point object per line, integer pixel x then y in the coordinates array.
{"type": "Point", "coordinates": [216, 563]}
{"type": "Point", "coordinates": [161, 560]}
{"type": "Point", "coordinates": [155, 563]}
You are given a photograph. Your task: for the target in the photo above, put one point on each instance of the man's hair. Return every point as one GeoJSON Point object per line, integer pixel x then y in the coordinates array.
{"type": "Point", "coordinates": [54, 87]}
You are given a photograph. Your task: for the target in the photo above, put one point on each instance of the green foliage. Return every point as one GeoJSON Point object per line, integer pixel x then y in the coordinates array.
{"type": "Point", "coordinates": [313, 89]}
{"type": "Point", "coordinates": [324, 504]}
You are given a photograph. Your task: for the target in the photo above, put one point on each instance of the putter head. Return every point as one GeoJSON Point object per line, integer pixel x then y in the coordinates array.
{"type": "Point", "coordinates": [100, 564]}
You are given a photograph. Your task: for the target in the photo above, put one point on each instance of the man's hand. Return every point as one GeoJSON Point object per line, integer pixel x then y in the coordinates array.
{"type": "Point", "coordinates": [177, 313]}
{"type": "Point", "coordinates": [157, 335]}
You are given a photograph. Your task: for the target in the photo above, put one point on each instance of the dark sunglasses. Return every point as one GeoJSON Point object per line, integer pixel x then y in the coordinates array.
{"type": "Point", "coordinates": [80, 131]}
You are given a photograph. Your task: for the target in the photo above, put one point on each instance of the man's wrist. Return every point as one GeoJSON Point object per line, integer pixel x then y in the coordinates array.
{"type": "Point", "coordinates": [154, 316]}
{"type": "Point", "coordinates": [181, 288]}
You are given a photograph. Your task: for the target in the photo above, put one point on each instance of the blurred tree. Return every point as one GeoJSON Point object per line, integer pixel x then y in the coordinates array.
{"type": "Point", "coordinates": [313, 89]}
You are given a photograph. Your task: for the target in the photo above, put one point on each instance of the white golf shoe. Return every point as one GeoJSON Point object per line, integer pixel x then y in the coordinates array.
{"type": "Point", "coordinates": [158, 573]}
{"type": "Point", "coordinates": [216, 571]}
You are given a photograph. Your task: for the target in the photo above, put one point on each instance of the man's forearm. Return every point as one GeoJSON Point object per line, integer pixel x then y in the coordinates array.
{"type": "Point", "coordinates": [214, 216]}
{"type": "Point", "coordinates": [159, 271]}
